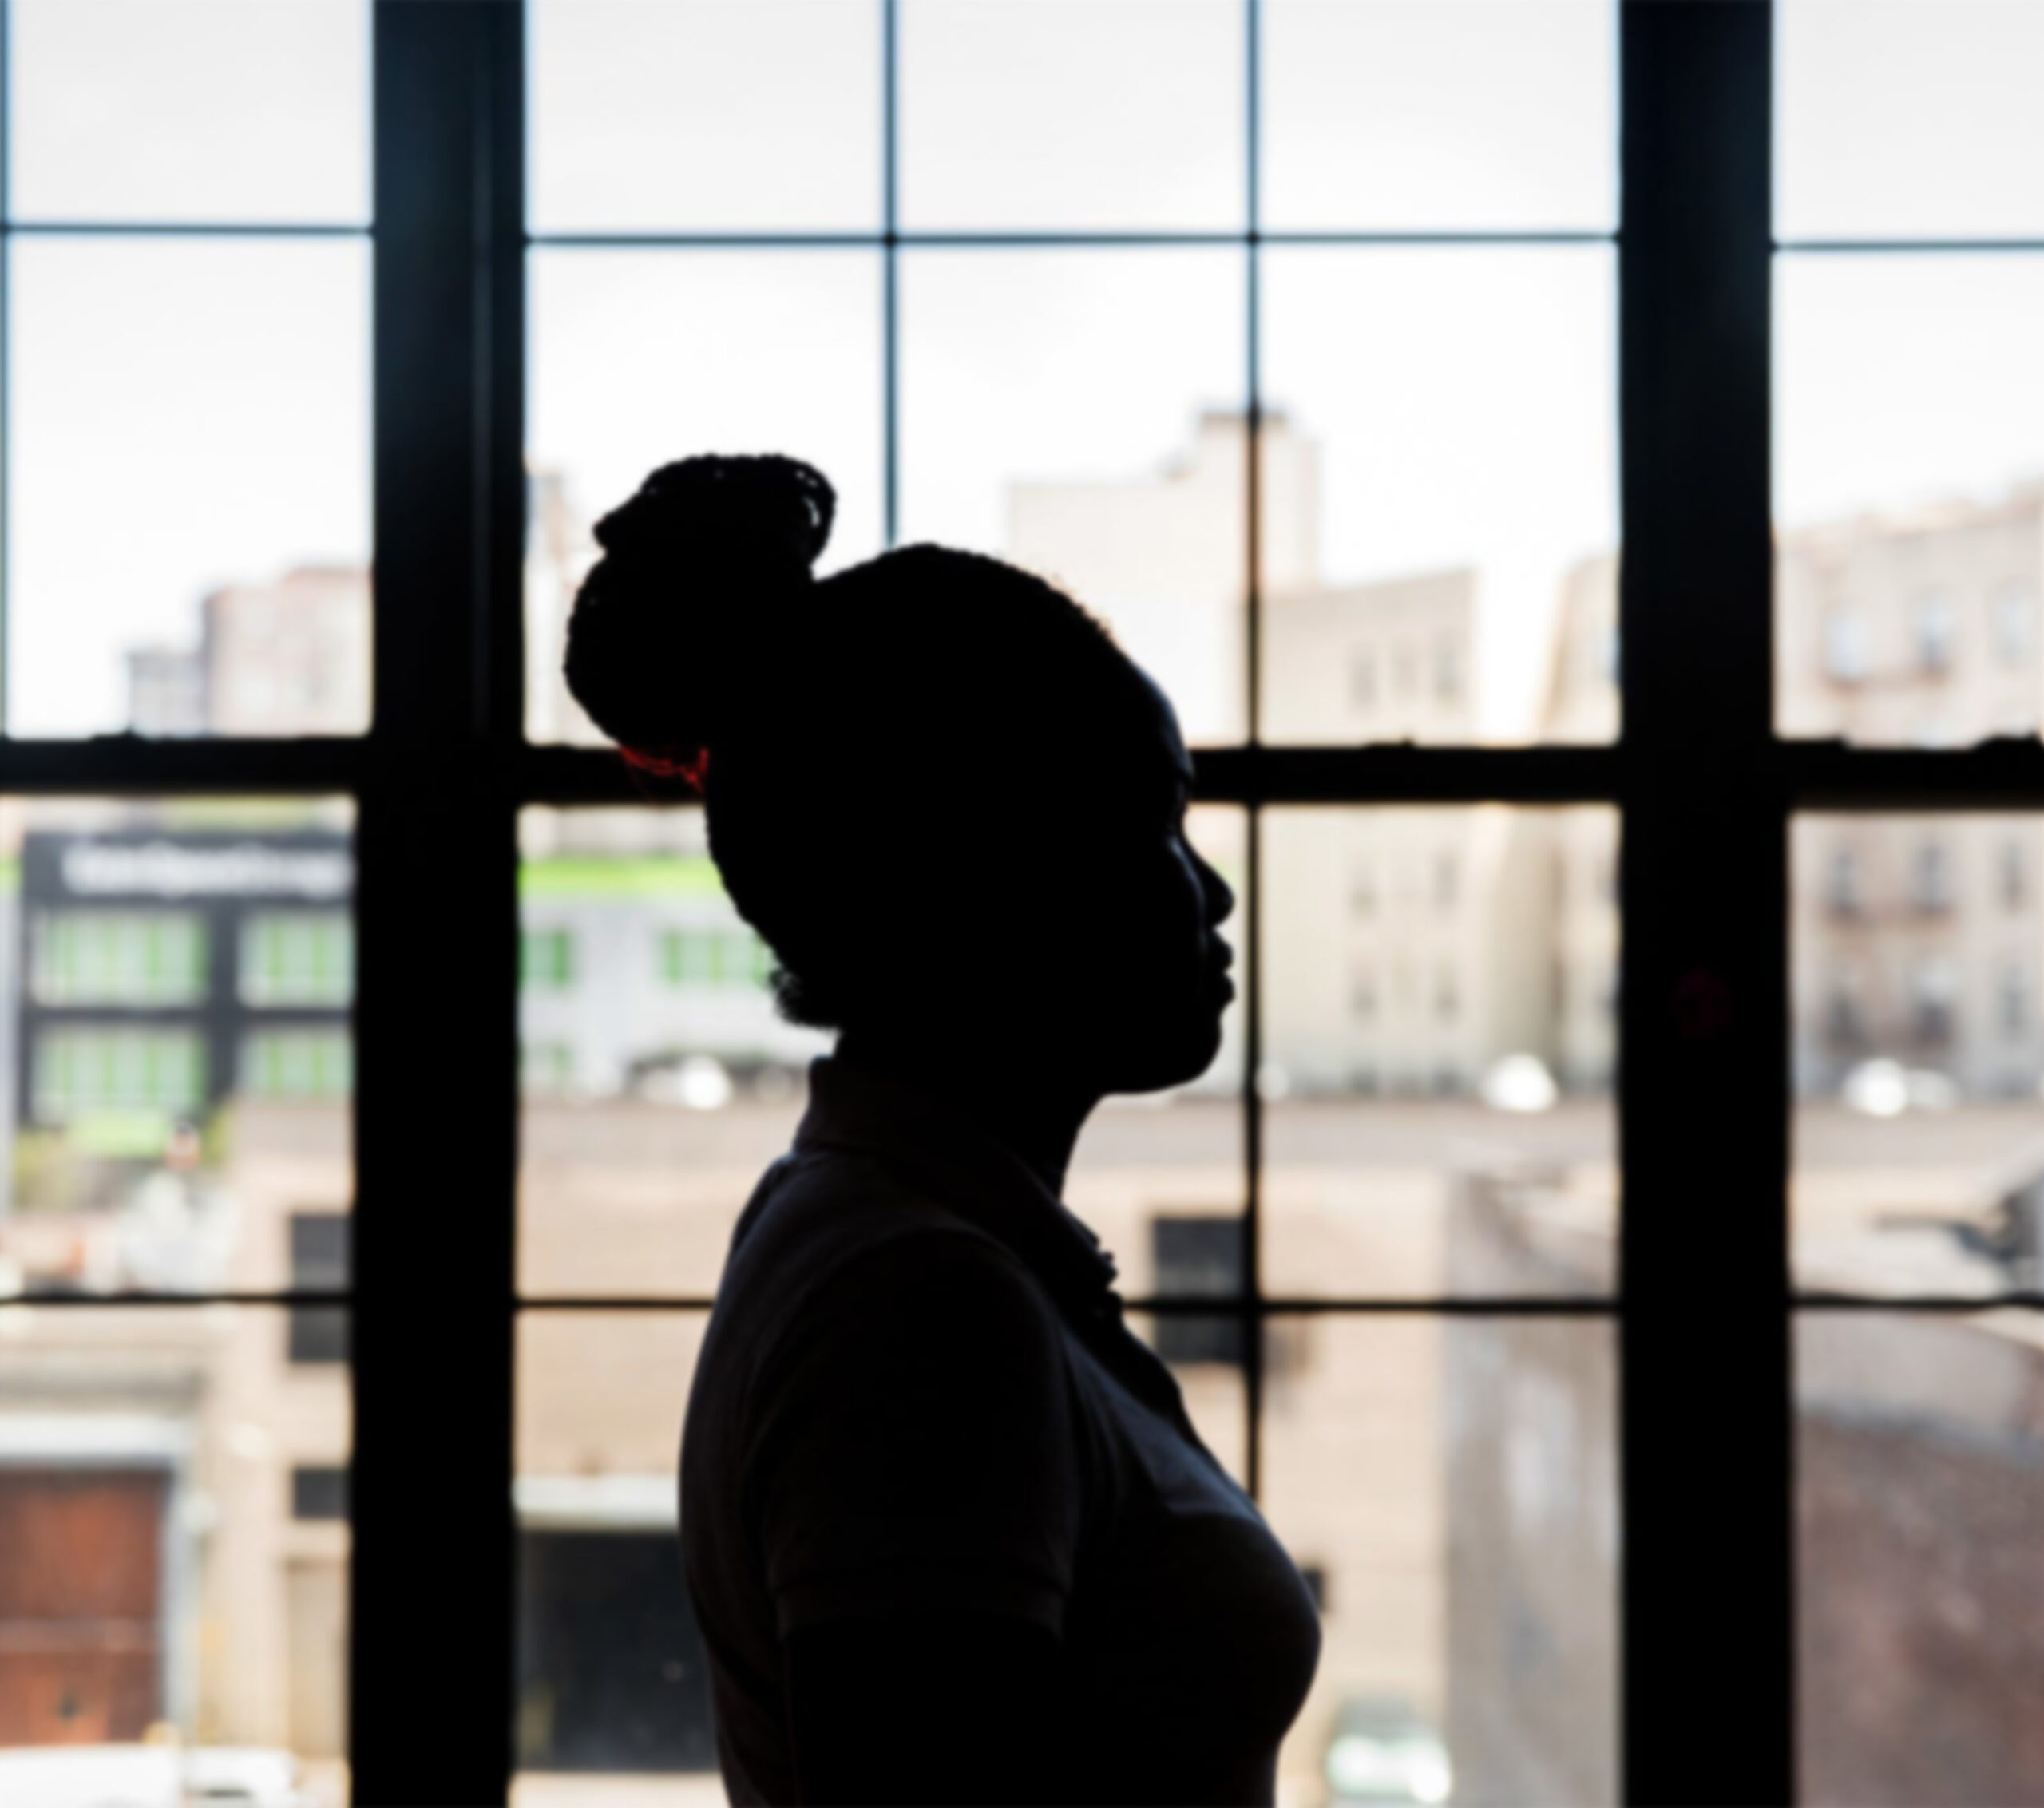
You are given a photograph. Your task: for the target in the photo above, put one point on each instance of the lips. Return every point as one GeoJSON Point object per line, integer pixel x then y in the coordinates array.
{"type": "Point", "coordinates": [1222, 984]}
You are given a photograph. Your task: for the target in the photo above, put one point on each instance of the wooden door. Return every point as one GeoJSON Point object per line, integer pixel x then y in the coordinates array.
{"type": "Point", "coordinates": [80, 1604]}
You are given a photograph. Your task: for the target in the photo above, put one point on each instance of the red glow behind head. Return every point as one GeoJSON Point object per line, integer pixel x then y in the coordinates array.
{"type": "Point", "coordinates": [663, 763]}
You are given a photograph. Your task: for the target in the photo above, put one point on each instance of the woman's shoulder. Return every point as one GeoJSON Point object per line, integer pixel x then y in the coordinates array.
{"type": "Point", "coordinates": [817, 1209]}
{"type": "Point", "coordinates": [833, 1238]}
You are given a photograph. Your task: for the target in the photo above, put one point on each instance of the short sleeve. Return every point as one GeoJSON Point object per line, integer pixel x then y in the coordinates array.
{"type": "Point", "coordinates": [911, 1445]}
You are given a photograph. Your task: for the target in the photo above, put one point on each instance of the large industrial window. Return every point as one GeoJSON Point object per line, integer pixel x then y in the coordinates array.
{"type": "Point", "coordinates": [1574, 464]}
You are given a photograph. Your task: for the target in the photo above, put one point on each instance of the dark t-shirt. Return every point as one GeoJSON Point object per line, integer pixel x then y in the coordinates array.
{"type": "Point", "coordinates": [916, 1392]}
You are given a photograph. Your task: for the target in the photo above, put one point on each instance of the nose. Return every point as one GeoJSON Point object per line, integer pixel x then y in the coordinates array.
{"type": "Point", "coordinates": [1220, 895]}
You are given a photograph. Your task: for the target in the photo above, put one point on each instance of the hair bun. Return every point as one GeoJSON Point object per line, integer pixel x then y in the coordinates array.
{"type": "Point", "coordinates": [679, 614]}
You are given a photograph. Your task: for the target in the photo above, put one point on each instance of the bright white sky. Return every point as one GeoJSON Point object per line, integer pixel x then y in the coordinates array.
{"type": "Point", "coordinates": [188, 413]}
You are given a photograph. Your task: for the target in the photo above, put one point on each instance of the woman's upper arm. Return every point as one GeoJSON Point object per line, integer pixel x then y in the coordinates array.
{"type": "Point", "coordinates": [942, 1707]}
{"type": "Point", "coordinates": [910, 1443]}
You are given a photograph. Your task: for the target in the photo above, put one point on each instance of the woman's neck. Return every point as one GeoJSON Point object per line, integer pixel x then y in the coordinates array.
{"type": "Point", "coordinates": [1038, 1121]}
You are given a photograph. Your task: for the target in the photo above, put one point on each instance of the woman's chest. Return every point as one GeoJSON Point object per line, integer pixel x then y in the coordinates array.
{"type": "Point", "coordinates": [1189, 1625]}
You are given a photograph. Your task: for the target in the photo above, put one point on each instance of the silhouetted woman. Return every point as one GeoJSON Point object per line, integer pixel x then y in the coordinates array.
{"type": "Point", "coordinates": [950, 1534]}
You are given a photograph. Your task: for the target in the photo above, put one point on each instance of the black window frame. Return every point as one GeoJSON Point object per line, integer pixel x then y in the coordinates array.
{"type": "Point", "coordinates": [1705, 790]}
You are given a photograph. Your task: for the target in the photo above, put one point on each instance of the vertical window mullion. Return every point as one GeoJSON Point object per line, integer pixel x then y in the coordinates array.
{"type": "Point", "coordinates": [890, 275]}
{"type": "Point", "coordinates": [1252, 900]}
{"type": "Point", "coordinates": [7, 348]}
{"type": "Point", "coordinates": [436, 1009]}
{"type": "Point", "coordinates": [1703, 1112]}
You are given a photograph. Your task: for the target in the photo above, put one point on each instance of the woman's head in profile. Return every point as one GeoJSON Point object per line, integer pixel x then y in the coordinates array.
{"type": "Point", "coordinates": [950, 804]}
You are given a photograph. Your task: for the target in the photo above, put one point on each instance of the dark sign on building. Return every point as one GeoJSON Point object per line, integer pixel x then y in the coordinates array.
{"type": "Point", "coordinates": [162, 971]}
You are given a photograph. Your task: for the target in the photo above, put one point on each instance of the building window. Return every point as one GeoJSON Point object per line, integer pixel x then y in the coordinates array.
{"type": "Point", "coordinates": [1448, 995]}
{"type": "Point", "coordinates": [79, 1070]}
{"type": "Point", "coordinates": [612, 1672]}
{"type": "Point", "coordinates": [1405, 671]}
{"type": "Point", "coordinates": [716, 957]}
{"type": "Point", "coordinates": [2015, 876]}
{"type": "Point", "coordinates": [1930, 879]}
{"type": "Point", "coordinates": [148, 958]}
{"type": "Point", "coordinates": [320, 1263]}
{"type": "Point", "coordinates": [319, 1491]}
{"type": "Point", "coordinates": [1198, 1258]}
{"type": "Point", "coordinates": [1362, 996]}
{"type": "Point", "coordinates": [1448, 672]}
{"type": "Point", "coordinates": [1362, 891]}
{"type": "Point", "coordinates": [1362, 680]}
{"type": "Point", "coordinates": [1842, 885]}
{"type": "Point", "coordinates": [546, 1067]}
{"type": "Point", "coordinates": [1845, 652]}
{"type": "Point", "coordinates": [546, 958]}
{"type": "Point", "coordinates": [299, 957]}
{"type": "Point", "coordinates": [1935, 629]}
{"type": "Point", "coordinates": [1314, 1576]}
{"type": "Point", "coordinates": [1933, 996]}
{"type": "Point", "coordinates": [1447, 876]}
{"type": "Point", "coordinates": [298, 1064]}
{"type": "Point", "coordinates": [2013, 999]}
{"type": "Point", "coordinates": [2015, 623]}
{"type": "Point", "coordinates": [1845, 1022]}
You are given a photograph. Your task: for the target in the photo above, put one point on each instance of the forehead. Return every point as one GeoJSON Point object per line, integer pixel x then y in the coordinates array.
{"type": "Point", "coordinates": [1135, 757]}
{"type": "Point", "coordinates": [1161, 721]}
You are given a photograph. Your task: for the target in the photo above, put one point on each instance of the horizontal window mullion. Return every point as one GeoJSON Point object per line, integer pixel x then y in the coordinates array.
{"type": "Point", "coordinates": [1406, 774]}
{"type": "Point", "coordinates": [1835, 775]}
{"type": "Point", "coordinates": [1884, 247]}
{"type": "Point", "coordinates": [130, 765]}
{"type": "Point", "coordinates": [1238, 775]}
{"type": "Point", "coordinates": [1046, 241]}
{"type": "Point", "coordinates": [2029, 1300]}
{"type": "Point", "coordinates": [1179, 1305]}
{"type": "Point", "coordinates": [181, 229]}
{"type": "Point", "coordinates": [102, 1302]}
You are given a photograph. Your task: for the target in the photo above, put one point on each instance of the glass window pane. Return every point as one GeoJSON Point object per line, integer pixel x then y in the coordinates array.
{"type": "Point", "coordinates": [1451, 1486]}
{"type": "Point", "coordinates": [651, 1110]}
{"type": "Point", "coordinates": [612, 1676]}
{"type": "Point", "coordinates": [705, 115]}
{"type": "Point", "coordinates": [1072, 114]}
{"type": "Point", "coordinates": [1909, 511]}
{"type": "Point", "coordinates": [1079, 413]}
{"type": "Point", "coordinates": [1908, 119]}
{"type": "Point", "coordinates": [1920, 1613]}
{"type": "Point", "coordinates": [190, 488]}
{"type": "Point", "coordinates": [1389, 115]}
{"type": "Point", "coordinates": [1438, 491]}
{"type": "Point", "coordinates": [1918, 946]}
{"type": "Point", "coordinates": [640, 357]}
{"type": "Point", "coordinates": [191, 110]}
{"type": "Point", "coordinates": [173, 1587]}
{"type": "Point", "coordinates": [1440, 1037]}
{"type": "Point", "coordinates": [168, 1127]}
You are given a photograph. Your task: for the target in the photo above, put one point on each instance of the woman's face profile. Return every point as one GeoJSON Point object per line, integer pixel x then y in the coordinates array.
{"type": "Point", "coordinates": [1131, 974]}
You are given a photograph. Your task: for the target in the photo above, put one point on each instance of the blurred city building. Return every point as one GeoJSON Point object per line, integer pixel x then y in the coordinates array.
{"type": "Point", "coordinates": [289, 657]}
{"type": "Point", "coordinates": [292, 656]}
{"type": "Point", "coordinates": [1916, 940]}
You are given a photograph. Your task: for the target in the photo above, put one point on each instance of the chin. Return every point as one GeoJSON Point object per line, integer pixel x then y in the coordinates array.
{"type": "Point", "coordinates": [1175, 1063]}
